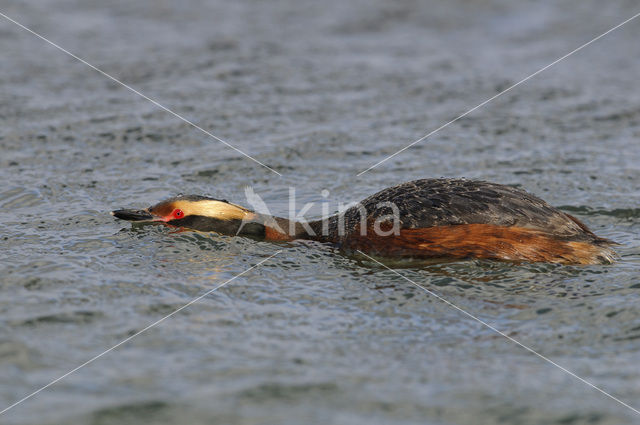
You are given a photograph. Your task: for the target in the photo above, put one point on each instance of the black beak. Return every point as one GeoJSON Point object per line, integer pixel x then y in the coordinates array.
{"type": "Point", "coordinates": [133, 215]}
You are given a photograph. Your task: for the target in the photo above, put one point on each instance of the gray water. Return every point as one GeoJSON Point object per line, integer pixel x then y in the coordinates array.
{"type": "Point", "coordinates": [319, 91]}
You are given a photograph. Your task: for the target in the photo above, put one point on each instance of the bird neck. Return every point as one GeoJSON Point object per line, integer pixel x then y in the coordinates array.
{"type": "Point", "coordinates": [283, 229]}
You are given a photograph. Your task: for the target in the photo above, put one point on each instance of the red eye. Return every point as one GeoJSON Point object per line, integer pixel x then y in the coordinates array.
{"type": "Point", "coordinates": [178, 213]}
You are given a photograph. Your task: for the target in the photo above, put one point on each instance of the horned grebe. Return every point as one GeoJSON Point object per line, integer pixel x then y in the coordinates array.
{"type": "Point", "coordinates": [436, 219]}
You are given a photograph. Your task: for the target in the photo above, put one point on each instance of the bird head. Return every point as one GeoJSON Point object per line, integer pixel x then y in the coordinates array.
{"type": "Point", "coordinates": [198, 213]}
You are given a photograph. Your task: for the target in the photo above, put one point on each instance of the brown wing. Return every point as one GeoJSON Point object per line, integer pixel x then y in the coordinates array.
{"type": "Point", "coordinates": [481, 241]}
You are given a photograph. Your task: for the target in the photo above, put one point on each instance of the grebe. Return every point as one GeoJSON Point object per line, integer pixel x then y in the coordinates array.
{"type": "Point", "coordinates": [443, 219]}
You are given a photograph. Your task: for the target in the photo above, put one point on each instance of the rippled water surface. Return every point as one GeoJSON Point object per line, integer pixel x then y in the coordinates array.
{"type": "Point", "coordinates": [319, 91]}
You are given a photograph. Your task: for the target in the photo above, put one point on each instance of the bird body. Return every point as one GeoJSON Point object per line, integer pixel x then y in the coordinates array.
{"type": "Point", "coordinates": [444, 219]}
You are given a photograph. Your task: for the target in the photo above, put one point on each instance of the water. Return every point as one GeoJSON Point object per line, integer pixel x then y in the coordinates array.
{"type": "Point", "coordinates": [319, 91]}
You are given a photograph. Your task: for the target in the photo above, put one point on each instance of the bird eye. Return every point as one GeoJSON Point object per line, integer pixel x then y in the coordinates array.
{"type": "Point", "coordinates": [178, 213]}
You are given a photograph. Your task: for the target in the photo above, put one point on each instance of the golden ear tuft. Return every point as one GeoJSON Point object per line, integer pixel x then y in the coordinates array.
{"type": "Point", "coordinates": [215, 209]}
